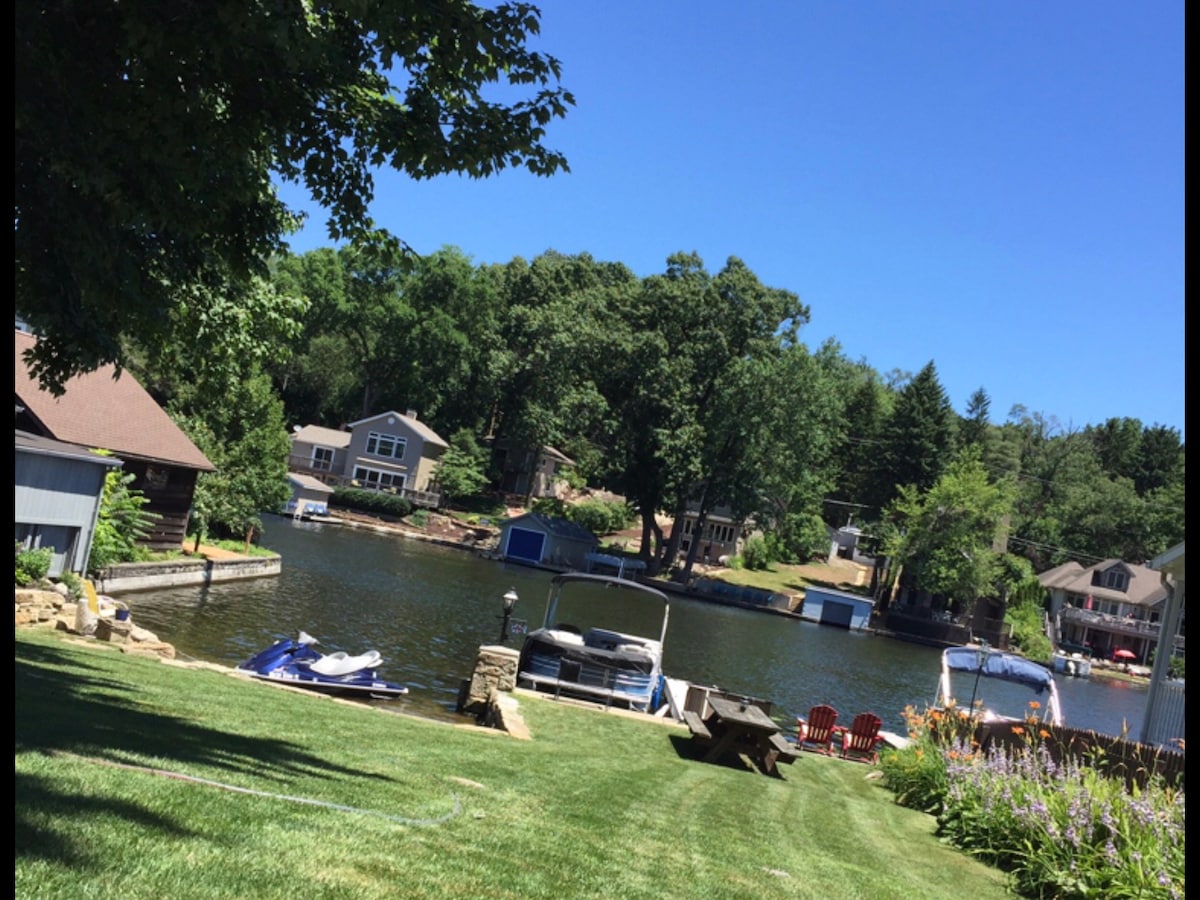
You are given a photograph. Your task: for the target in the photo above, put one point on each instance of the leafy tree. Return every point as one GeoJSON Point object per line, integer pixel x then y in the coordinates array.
{"type": "Point", "coordinates": [1160, 460]}
{"type": "Point", "coordinates": [149, 139]}
{"type": "Point", "coordinates": [1117, 443]}
{"type": "Point", "coordinates": [462, 471]}
{"type": "Point", "coordinates": [945, 538]}
{"type": "Point", "coordinates": [558, 339]}
{"type": "Point", "coordinates": [788, 465]}
{"type": "Point", "coordinates": [122, 521]}
{"type": "Point", "coordinates": [691, 340]}
{"type": "Point", "coordinates": [246, 439]}
{"type": "Point", "coordinates": [867, 404]}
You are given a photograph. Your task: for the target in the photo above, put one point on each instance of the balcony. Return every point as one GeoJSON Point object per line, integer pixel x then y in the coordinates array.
{"type": "Point", "coordinates": [303, 466]}
{"type": "Point", "coordinates": [1124, 626]}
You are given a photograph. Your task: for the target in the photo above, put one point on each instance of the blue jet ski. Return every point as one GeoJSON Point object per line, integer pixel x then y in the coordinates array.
{"type": "Point", "coordinates": [296, 663]}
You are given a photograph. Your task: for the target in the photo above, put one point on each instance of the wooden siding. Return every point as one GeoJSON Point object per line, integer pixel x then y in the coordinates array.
{"type": "Point", "coordinates": [170, 501]}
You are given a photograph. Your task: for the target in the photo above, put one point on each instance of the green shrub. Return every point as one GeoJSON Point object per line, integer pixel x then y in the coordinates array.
{"type": "Point", "coordinates": [601, 516]}
{"type": "Point", "coordinates": [756, 554]}
{"type": "Point", "coordinates": [32, 565]}
{"type": "Point", "coordinates": [73, 582]}
{"type": "Point", "coordinates": [121, 523]}
{"type": "Point", "coordinates": [420, 518]}
{"type": "Point", "coordinates": [549, 506]}
{"type": "Point", "coordinates": [372, 502]}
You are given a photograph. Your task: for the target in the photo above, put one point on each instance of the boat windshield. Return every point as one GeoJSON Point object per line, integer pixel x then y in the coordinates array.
{"type": "Point", "coordinates": [587, 600]}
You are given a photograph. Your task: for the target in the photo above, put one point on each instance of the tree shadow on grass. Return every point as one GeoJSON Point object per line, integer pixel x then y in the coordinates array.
{"type": "Point", "coordinates": [67, 705]}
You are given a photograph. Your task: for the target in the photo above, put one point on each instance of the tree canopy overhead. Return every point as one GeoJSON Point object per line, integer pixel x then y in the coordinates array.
{"type": "Point", "coordinates": [149, 138]}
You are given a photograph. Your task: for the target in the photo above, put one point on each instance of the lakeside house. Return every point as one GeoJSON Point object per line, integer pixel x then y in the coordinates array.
{"type": "Point", "coordinates": [1108, 607]}
{"type": "Point", "coordinates": [386, 452]}
{"type": "Point", "coordinates": [527, 473]}
{"type": "Point", "coordinates": [103, 411]}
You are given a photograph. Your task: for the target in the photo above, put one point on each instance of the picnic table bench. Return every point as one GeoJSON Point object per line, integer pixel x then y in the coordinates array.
{"type": "Point", "coordinates": [737, 728]}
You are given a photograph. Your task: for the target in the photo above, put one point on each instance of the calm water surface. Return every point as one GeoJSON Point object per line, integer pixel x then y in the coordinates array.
{"type": "Point", "coordinates": [427, 608]}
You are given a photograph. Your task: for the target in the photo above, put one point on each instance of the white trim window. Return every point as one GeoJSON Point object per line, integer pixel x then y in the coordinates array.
{"type": "Point", "coordinates": [388, 446]}
{"type": "Point", "coordinates": [378, 480]}
{"type": "Point", "coordinates": [322, 459]}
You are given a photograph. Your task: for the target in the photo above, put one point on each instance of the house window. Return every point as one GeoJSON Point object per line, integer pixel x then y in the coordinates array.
{"type": "Point", "coordinates": [377, 480]}
{"type": "Point", "coordinates": [1115, 579]}
{"type": "Point", "coordinates": [387, 445]}
{"type": "Point", "coordinates": [322, 459]}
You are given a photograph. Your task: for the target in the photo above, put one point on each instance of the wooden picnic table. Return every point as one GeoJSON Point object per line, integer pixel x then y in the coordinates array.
{"type": "Point", "coordinates": [736, 728]}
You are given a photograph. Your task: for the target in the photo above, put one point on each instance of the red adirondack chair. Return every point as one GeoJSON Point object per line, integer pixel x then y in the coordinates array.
{"type": "Point", "coordinates": [862, 739]}
{"type": "Point", "coordinates": [816, 732]}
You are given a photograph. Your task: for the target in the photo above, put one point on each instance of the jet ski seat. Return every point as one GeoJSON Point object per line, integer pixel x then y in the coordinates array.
{"type": "Point", "coordinates": [336, 664]}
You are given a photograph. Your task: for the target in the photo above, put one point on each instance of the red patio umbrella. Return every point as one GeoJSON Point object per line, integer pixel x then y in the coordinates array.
{"type": "Point", "coordinates": [1124, 654]}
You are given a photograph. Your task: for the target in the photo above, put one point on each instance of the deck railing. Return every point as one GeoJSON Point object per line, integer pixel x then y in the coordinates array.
{"type": "Point", "coordinates": [427, 499]}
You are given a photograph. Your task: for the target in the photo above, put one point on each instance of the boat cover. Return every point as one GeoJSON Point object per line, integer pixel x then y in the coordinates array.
{"type": "Point", "coordinates": [1004, 666]}
{"type": "Point", "coordinates": [628, 657]}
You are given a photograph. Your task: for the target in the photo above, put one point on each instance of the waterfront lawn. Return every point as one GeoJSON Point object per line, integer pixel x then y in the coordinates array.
{"type": "Point", "coordinates": [135, 778]}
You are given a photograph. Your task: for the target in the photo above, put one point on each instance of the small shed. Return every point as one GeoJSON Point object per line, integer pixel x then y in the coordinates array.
{"type": "Point", "coordinates": [831, 607]}
{"type": "Point", "coordinates": [546, 540]}
{"type": "Point", "coordinates": [310, 496]}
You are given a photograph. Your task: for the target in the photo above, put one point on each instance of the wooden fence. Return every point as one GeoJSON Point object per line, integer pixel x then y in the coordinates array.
{"type": "Point", "coordinates": [1117, 757]}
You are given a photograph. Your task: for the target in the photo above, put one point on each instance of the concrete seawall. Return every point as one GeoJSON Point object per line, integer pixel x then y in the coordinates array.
{"type": "Point", "coordinates": [181, 573]}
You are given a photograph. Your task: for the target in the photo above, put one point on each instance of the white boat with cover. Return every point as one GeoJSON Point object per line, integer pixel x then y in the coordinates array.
{"type": "Point", "coordinates": [994, 685]}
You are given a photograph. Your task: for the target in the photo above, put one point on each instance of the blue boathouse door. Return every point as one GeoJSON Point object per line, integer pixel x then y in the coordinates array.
{"type": "Point", "coordinates": [525, 544]}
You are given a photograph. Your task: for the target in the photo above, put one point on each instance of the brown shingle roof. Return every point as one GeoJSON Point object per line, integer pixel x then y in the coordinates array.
{"type": "Point", "coordinates": [110, 413]}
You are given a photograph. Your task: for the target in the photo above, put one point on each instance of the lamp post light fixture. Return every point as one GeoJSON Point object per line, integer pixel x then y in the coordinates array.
{"type": "Point", "coordinates": [510, 600]}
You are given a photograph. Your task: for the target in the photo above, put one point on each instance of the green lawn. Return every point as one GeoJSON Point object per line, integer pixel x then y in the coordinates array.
{"type": "Point", "coordinates": [134, 778]}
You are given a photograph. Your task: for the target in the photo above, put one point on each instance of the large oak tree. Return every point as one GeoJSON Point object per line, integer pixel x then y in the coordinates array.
{"type": "Point", "coordinates": [150, 138]}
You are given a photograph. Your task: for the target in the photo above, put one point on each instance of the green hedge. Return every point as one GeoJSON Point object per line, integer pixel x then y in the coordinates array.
{"type": "Point", "coordinates": [374, 502]}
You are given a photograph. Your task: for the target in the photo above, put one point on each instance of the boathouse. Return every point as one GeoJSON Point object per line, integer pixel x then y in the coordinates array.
{"type": "Point", "coordinates": [827, 606]}
{"type": "Point", "coordinates": [310, 496]}
{"type": "Point", "coordinates": [546, 541]}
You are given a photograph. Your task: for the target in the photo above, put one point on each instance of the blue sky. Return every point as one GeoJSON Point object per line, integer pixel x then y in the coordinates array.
{"type": "Point", "coordinates": [998, 188]}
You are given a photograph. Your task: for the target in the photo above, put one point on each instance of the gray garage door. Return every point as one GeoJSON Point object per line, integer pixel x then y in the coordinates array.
{"type": "Point", "coordinates": [834, 613]}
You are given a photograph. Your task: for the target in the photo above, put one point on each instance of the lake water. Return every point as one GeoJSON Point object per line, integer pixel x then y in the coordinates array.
{"type": "Point", "coordinates": [427, 609]}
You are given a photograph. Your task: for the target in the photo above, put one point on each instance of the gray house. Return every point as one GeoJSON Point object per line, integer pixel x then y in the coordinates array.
{"type": "Point", "coordinates": [59, 487]}
{"type": "Point", "coordinates": [385, 452]}
{"type": "Point", "coordinates": [546, 541]}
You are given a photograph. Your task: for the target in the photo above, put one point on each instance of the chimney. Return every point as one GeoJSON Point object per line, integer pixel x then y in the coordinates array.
{"type": "Point", "coordinates": [412, 413]}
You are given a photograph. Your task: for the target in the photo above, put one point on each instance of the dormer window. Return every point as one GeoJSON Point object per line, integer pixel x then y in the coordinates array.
{"type": "Point", "coordinates": [1116, 579]}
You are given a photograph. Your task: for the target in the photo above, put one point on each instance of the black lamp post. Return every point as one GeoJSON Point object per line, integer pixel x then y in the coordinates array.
{"type": "Point", "coordinates": [510, 600]}
{"type": "Point", "coordinates": [981, 657]}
